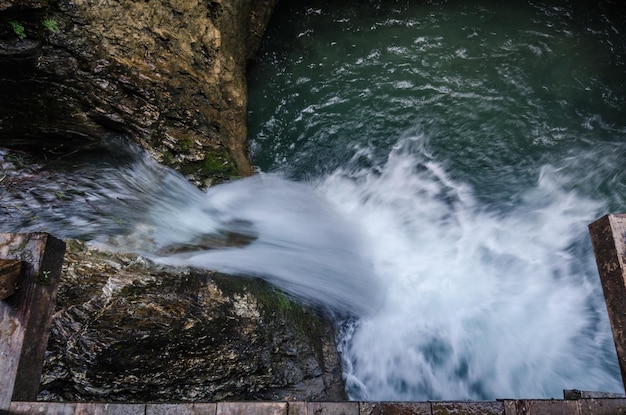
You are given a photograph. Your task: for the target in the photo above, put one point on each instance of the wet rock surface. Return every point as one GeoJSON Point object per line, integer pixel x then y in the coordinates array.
{"type": "Point", "coordinates": [78, 76]}
{"type": "Point", "coordinates": [169, 75]}
{"type": "Point", "coordinates": [128, 330]}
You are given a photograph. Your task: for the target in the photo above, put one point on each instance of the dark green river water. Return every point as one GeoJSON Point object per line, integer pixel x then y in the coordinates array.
{"type": "Point", "coordinates": [472, 142]}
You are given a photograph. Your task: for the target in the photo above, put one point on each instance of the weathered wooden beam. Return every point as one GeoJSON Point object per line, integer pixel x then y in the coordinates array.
{"type": "Point", "coordinates": [181, 409]}
{"type": "Point", "coordinates": [608, 236]}
{"type": "Point", "coordinates": [87, 408]}
{"type": "Point", "coordinates": [386, 408]}
{"type": "Point", "coordinates": [483, 408]}
{"type": "Point", "coordinates": [573, 394]}
{"type": "Point", "coordinates": [25, 317]}
{"type": "Point", "coordinates": [248, 408]}
{"type": "Point", "coordinates": [10, 273]}
{"type": "Point", "coordinates": [42, 408]}
{"type": "Point", "coordinates": [587, 406]}
{"type": "Point", "coordinates": [541, 407]}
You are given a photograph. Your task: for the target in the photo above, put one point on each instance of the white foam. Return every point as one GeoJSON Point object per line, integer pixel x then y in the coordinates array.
{"type": "Point", "coordinates": [479, 305]}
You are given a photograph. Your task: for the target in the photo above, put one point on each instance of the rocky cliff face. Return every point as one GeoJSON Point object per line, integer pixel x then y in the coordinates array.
{"type": "Point", "coordinates": [78, 75]}
{"type": "Point", "coordinates": [167, 74]}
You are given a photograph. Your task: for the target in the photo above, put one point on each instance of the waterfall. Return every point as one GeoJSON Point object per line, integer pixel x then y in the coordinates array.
{"type": "Point", "coordinates": [429, 172]}
{"type": "Point", "coordinates": [437, 296]}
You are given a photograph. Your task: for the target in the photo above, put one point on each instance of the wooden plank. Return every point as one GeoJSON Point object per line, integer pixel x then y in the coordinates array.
{"type": "Point", "coordinates": [333, 408]}
{"type": "Point", "coordinates": [570, 394]}
{"type": "Point", "coordinates": [26, 316]}
{"type": "Point", "coordinates": [181, 409]}
{"type": "Point", "coordinates": [84, 408]}
{"type": "Point", "coordinates": [42, 408]}
{"type": "Point", "coordinates": [395, 408]}
{"type": "Point", "coordinates": [297, 408]}
{"type": "Point", "coordinates": [540, 407]}
{"type": "Point", "coordinates": [552, 407]}
{"type": "Point", "coordinates": [10, 273]}
{"type": "Point", "coordinates": [608, 237]}
{"type": "Point", "coordinates": [248, 408]}
{"type": "Point", "coordinates": [468, 408]}
{"type": "Point", "coordinates": [609, 406]}
{"type": "Point", "coordinates": [511, 407]}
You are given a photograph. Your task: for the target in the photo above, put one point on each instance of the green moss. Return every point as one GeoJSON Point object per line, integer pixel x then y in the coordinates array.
{"type": "Point", "coordinates": [168, 158]}
{"type": "Point", "coordinates": [130, 292]}
{"type": "Point", "coordinates": [186, 145]}
{"type": "Point", "coordinates": [51, 25]}
{"type": "Point", "coordinates": [219, 163]}
{"type": "Point", "coordinates": [283, 303]}
{"type": "Point", "coordinates": [18, 29]}
{"type": "Point", "coordinates": [306, 321]}
{"type": "Point", "coordinates": [269, 298]}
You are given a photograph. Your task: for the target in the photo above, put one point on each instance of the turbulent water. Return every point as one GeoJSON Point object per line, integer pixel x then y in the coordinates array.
{"type": "Point", "coordinates": [472, 143]}
{"type": "Point", "coordinates": [429, 170]}
{"type": "Point", "coordinates": [261, 226]}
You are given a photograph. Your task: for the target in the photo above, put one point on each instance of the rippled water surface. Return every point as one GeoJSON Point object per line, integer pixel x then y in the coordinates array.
{"type": "Point", "coordinates": [472, 143]}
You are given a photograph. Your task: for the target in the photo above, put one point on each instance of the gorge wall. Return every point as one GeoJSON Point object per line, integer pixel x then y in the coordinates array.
{"type": "Point", "coordinates": [169, 75]}
{"type": "Point", "coordinates": [79, 75]}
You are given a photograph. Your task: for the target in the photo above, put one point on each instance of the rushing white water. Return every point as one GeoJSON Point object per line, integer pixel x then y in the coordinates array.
{"type": "Point", "coordinates": [478, 305]}
{"type": "Point", "coordinates": [261, 226]}
{"type": "Point", "coordinates": [448, 299]}
{"type": "Point", "coordinates": [299, 242]}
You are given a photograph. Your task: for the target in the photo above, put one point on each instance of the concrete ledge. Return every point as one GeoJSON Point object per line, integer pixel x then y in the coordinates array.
{"type": "Point", "coordinates": [589, 406]}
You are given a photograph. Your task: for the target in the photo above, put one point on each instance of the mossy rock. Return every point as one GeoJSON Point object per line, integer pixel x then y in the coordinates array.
{"type": "Point", "coordinates": [216, 167]}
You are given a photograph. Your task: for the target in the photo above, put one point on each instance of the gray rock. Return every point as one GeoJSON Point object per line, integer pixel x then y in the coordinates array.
{"type": "Point", "coordinates": [128, 330]}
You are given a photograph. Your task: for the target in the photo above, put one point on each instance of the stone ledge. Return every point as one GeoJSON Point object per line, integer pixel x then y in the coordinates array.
{"type": "Point", "coordinates": [590, 406]}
